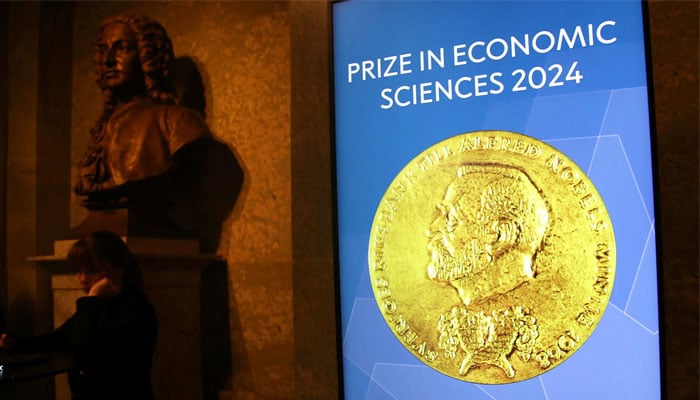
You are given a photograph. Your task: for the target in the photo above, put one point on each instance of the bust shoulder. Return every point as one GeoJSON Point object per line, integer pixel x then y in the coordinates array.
{"type": "Point", "coordinates": [181, 125]}
{"type": "Point", "coordinates": [177, 124]}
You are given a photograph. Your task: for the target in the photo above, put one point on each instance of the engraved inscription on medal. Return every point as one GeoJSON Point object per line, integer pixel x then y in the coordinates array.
{"type": "Point", "coordinates": [400, 326]}
{"type": "Point", "coordinates": [601, 287]}
{"type": "Point", "coordinates": [586, 199]}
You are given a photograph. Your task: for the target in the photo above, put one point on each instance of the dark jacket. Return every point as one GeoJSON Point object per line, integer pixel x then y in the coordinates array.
{"type": "Point", "coordinates": [112, 342]}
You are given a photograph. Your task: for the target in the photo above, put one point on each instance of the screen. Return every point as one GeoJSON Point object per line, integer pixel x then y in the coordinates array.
{"type": "Point", "coordinates": [495, 212]}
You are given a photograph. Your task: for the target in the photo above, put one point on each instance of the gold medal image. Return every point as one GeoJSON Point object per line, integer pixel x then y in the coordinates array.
{"type": "Point", "coordinates": [492, 257]}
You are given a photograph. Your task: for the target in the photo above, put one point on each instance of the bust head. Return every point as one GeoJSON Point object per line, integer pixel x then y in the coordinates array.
{"type": "Point", "coordinates": [491, 223]}
{"type": "Point", "coordinates": [133, 56]}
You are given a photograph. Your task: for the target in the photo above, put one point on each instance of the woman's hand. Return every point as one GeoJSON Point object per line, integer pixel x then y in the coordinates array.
{"type": "Point", "coordinates": [105, 288]}
{"type": "Point", "coordinates": [5, 341]}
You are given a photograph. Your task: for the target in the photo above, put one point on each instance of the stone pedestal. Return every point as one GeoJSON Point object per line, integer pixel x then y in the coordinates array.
{"type": "Point", "coordinates": [172, 278]}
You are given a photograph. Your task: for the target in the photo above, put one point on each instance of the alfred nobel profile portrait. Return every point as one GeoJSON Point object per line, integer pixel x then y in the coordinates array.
{"type": "Point", "coordinates": [491, 224]}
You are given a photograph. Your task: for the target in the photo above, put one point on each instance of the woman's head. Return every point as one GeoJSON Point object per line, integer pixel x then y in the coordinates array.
{"type": "Point", "coordinates": [103, 254]}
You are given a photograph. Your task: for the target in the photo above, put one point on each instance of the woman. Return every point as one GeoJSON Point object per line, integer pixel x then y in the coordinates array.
{"type": "Point", "coordinates": [113, 331]}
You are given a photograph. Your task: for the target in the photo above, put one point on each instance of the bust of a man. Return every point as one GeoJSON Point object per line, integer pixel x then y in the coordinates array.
{"type": "Point", "coordinates": [144, 149]}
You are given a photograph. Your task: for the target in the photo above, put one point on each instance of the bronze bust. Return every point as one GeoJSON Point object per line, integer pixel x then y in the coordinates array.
{"type": "Point", "coordinates": [147, 153]}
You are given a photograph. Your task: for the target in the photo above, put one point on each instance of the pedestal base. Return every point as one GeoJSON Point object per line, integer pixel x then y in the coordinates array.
{"type": "Point", "coordinates": [135, 222]}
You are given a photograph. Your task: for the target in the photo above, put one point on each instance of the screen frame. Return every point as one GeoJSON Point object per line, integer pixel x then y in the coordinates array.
{"type": "Point", "coordinates": [657, 198]}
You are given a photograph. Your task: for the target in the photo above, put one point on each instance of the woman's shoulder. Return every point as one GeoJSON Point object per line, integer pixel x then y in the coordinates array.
{"type": "Point", "coordinates": [133, 301]}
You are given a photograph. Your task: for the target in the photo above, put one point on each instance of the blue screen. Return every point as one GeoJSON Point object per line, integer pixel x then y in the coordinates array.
{"type": "Point", "coordinates": [570, 74]}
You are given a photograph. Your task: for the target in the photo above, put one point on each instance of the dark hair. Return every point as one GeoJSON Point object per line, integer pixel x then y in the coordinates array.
{"type": "Point", "coordinates": [106, 252]}
{"type": "Point", "coordinates": [157, 64]}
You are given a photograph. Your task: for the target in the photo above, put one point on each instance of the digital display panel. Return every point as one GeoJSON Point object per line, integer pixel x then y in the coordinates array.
{"type": "Point", "coordinates": [495, 205]}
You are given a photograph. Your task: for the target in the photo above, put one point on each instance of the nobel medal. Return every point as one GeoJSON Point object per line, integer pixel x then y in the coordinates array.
{"type": "Point", "coordinates": [492, 257]}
